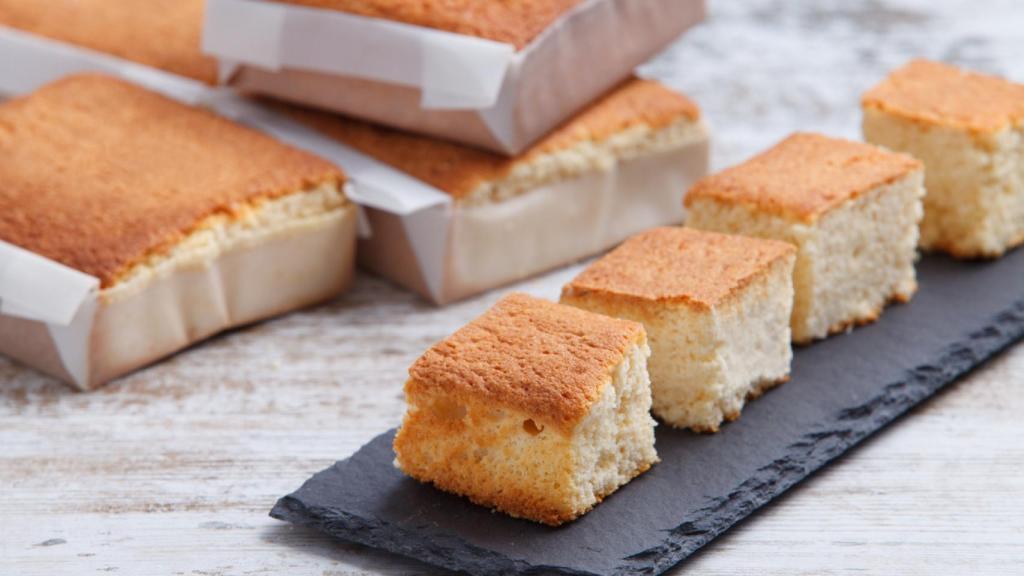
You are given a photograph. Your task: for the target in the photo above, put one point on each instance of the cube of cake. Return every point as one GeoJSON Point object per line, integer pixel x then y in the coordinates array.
{"type": "Point", "coordinates": [716, 309]}
{"type": "Point", "coordinates": [968, 129]}
{"type": "Point", "coordinates": [851, 209]}
{"type": "Point", "coordinates": [536, 409]}
{"type": "Point", "coordinates": [122, 28]}
{"type": "Point", "coordinates": [187, 222]}
{"type": "Point", "coordinates": [615, 169]}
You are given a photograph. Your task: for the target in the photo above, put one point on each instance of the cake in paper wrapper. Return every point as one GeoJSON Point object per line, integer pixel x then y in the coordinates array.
{"type": "Point", "coordinates": [189, 223]}
{"type": "Point", "coordinates": [621, 166]}
{"type": "Point", "coordinates": [851, 209]}
{"type": "Point", "coordinates": [496, 75]}
{"type": "Point", "coordinates": [967, 129]}
{"type": "Point", "coordinates": [164, 34]}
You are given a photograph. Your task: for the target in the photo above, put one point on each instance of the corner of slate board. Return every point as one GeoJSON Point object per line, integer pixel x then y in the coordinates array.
{"type": "Point", "coordinates": [841, 390]}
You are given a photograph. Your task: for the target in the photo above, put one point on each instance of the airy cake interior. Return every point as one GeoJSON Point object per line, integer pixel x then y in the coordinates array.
{"type": "Point", "coordinates": [706, 362]}
{"type": "Point", "coordinates": [975, 201]}
{"type": "Point", "coordinates": [518, 463]}
{"type": "Point", "coordinates": [851, 261]}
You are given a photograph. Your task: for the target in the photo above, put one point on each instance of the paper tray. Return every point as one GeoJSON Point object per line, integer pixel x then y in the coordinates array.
{"type": "Point", "coordinates": [115, 334]}
{"type": "Point", "coordinates": [452, 250]}
{"type": "Point", "coordinates": [842, 390]}
{"type": "Point", "coordinates": [452, 86]}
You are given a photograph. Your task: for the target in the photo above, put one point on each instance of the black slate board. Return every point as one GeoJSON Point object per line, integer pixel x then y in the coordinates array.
{"type": "Point", "coordinates": [842, 389]}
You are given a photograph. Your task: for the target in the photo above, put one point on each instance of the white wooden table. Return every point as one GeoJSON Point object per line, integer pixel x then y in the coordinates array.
{"type": "Point", "coordinates": [172, 470]}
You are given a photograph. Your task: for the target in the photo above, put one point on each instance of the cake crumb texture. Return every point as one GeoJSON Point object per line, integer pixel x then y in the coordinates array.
{"type": "Point", "coordinates": [695, 267]}
{"type": "Point", "coordinates": [462, 170]}
{"type": "Point", "coordinates": [515, 22]}
{"type": "Point", "coordinates": [531, 355]}
{"type": "Point", "coordinates": [940, 94]}
{"type": "Point", "coordinates": [99, 174]}
{"type": "Point", "coordinates": [805, 176]}
{"type": "Point", "coordinates": [163, 34]}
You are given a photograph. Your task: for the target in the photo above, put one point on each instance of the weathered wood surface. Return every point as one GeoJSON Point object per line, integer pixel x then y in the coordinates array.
{"type": "Point", "coordinates": [172, 470]}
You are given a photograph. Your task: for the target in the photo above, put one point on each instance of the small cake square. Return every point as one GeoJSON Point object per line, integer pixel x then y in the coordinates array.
{"type": "Point", "coordinates": [715, 307]}
{"type": "Point", "coordinates": [851, 209]}
{"type": "Point", "coordinates": [537, 409]}
{"type": "Point", "coordinates": [968, 129]}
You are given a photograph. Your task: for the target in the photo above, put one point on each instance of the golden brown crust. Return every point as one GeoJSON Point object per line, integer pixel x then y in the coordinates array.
{"type": "Point", "coordinates": [99, 174]}
{"type": "Point", "coordinates": [459, 170]}
{"type": "Point", "coordinates": [805, 176]}
{"type": "Point", "coordinates": [515, 22]}
{"type": "Point", "coordinates": [543, 359]}
{"type": "Point", "coordinates": [679, 265]}
{"type": "Point", "coordinates": [164, 34]}
{"type": "Point", "coordinates": [936, 93]}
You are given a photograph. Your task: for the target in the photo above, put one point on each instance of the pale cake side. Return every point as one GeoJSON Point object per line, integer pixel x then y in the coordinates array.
{"type": "Point", "coordinates": [515, 22]}
{"type": "Point", "coordinates": [716, 308]}
{"type": "Point", "coordinates": [104, 176]}
{"type": "Point", "coordinates": [638, 117]}
{"type": "Point", "coordinates": [968, 130]}
{"type": "Point", "coordinates": [855, 230]}
{"type": "Point", "coordinates": [536, 409]}
{"type": "Point", "coordinates": [164, 34]}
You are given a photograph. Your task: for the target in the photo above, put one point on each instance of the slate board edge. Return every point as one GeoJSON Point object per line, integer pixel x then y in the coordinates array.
{"type": "Point", "coordinates": [815, 450]}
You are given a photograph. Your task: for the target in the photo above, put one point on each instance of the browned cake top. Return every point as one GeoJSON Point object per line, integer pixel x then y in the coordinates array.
{"type": "Point", "coordinates": [679, 265]}
{"type": "Point", "coordinates": [937, 93]}
{"type": "Point", "coordinates": [99, 174]}
{"type": "Point", "coordinates": [458, 170]}
{"type": "Point", "coordinates": [164, 34]}
{"type": "Point", "coordinates": [544, 359]}
{"type": "Point", "coordinates": [804, 176]}
{"type": "Point", "coordinates": [515, 22]}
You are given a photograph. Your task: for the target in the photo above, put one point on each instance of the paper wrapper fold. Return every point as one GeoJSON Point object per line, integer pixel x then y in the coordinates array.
{"type": "Point", "coordinates": [447, 85]}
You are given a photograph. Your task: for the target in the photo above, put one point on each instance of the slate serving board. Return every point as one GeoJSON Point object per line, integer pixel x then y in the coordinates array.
{"type": "Point", "coordinates": [842, 389]}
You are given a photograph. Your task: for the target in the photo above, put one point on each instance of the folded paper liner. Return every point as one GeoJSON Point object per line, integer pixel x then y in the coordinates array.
{"type": "Point", "coordinates": [57, 320]}
{"type": "Point", "coordinates": [453, 86]}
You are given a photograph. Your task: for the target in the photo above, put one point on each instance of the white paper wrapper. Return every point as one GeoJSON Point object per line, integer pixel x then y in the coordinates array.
{"type": "Point", "coordinates": [57, 319]}
{"type": "Point", "coordinates": [438, 83]}
{"type": "Point", "coordinates": [447, 252]}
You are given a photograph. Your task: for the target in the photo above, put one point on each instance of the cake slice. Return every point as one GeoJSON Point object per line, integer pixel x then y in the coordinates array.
{"type": "Point", "coordinates": [617, 168]}
{"type": "Point", "coordinates": [968, 129]}
{"type": "Point", "coordinates": [536, 409]}
{"type": "Point", "coordinates": [164, 34]}
{"type": "Point", "coordinates": [715, 307]}
{"type": "Point", "coordinates": [190, 223]}
{"type": "Point", "coordinates": [851, 209]}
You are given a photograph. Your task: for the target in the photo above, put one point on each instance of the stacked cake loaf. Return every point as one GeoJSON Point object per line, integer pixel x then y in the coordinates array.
{"type": "Point", "coordinates": [576, 163]}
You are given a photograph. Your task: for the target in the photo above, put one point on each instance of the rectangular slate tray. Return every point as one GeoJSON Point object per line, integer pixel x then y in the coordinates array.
{"type": "Point", "coordinates": [842, 389]}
